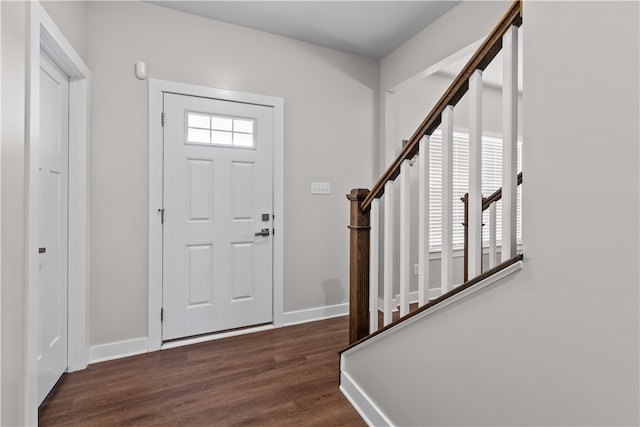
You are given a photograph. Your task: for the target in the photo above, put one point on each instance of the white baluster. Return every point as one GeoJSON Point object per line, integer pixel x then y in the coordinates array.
{"type": "Point", "coordinates": [388, 254]}
{"type": "Point", "coordinates": [509, 141]}
{"type": "Point", "coordinates": [405, 218]}
{"type": "Point", "coordinates": [374, 254]}
{"type": "Point", "coordinates": [475, 174]}
{"type": "Point", "coordinates": [446, 261]}
{"type": "Point", "coordinates": [423, 222]}
{"type": "Point", "coordinates": [493, 250]}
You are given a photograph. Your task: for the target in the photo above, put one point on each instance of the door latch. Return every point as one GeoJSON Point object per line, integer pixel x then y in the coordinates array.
{"type": "Point", "coordinates": [264, 232]}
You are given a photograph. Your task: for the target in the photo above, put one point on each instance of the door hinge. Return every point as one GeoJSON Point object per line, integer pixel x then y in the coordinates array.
{"type": "Point", "coordinates": [161, 215]}
{"type": "Point", "coordinates": [162, 118]}
{"type": "Point", "coordinates": [162, 314]}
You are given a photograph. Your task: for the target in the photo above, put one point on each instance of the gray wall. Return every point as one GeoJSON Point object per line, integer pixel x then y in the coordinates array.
{"type": "Point", "coordinates": [427, 48]}
{"type": "Point", "coordinates": [12, 169]}
{"type": "Point", "coordinates": [330, 134]}
{"type": "Point", "coordinates": [71, 18]}
{"type": "Point", "coordinates": [556, 344]}
{"type": "Point", "coordinates": [414, 101]}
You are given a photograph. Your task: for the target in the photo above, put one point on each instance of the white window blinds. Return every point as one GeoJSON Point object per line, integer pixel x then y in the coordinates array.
{"type": "Point", "coordinates": [491, 181]}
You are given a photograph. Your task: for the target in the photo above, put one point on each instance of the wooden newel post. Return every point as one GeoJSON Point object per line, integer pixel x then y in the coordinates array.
{"type": "Point", "coordinates": [358, 267]}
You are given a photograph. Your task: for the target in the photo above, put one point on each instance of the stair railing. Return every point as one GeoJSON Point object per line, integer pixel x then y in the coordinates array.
{"type": "Point", "coordinates": [366, 206]}
{"type": "Point", "coordinates": [491, 204]}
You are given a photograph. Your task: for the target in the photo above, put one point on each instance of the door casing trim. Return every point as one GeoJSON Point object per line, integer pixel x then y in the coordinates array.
{"type": "Point", "coordinates": [156, 90]}
{"type": "Point", "coordinates": [43, 34]}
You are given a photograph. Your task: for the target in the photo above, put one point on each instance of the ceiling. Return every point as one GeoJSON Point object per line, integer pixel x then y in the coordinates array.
{"type": "Point", "coordinates": [368, 28]}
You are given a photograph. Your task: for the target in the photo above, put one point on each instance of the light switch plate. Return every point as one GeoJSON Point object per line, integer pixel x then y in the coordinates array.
{"type": "Point", "coordinates": [320, 188]}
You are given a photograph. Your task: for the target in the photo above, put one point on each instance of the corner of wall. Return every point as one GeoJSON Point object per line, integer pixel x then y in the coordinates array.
{"type": "Point", "coordinates": [12, 28]}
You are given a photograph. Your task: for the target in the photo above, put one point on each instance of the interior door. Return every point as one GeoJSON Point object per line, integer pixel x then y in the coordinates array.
{"type": "Point", "coordinates": [53, 152]}
{"type": "Point", "coordinates": [218, 204]}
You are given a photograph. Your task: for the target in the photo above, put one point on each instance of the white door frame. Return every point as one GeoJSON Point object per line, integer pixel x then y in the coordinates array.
{"type": "Point", "coordinates": [43, 34]}
{"type": "Point", "coordinates": [156, 90]}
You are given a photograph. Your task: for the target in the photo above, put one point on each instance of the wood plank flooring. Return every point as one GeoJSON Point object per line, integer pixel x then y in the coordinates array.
{"type": "Point", "coordinates": [395, 315]}
{"type": "Point", "coordinates": [282, 377]}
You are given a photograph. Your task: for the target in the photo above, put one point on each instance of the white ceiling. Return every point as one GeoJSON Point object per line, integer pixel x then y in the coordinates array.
{"type": "Point", "coordinates": [368, 28]}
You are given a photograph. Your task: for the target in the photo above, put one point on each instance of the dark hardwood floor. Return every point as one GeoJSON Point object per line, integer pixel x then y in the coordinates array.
{"type": "Point", "coordinates": [395, 315]}
{"type": "Point", "coordinates": [282, 377]}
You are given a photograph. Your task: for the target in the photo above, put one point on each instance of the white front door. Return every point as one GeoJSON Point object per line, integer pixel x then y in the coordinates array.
{"type": "Point", "coordinates": [53, 152]}
{"type": "Point", "coordinates": [218, 215]}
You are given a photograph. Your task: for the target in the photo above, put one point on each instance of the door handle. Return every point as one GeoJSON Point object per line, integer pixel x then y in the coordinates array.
{"type": "Point", "coordinates": [42, 250]}
{"type": "Point", "coordinates": [264, 232]}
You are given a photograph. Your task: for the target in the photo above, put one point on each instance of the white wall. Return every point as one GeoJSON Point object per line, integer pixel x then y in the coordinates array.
{"type": "Point", "coordinates": [439, 40]}
{"type": "Point", "coordinates": [330, 134]}
{"type": "Point", "coordinates": [12, 203]}
{"type": "Point", "coordinates": [558, 343]}
{"type": "Point", "coordinates": [12, 192]}
{"type": "Point", "coordinates": [427, 49]}
{"type": "Point", "coordinates": [413, 102]}
{"type": "Point", "coordinates": [71, 18]}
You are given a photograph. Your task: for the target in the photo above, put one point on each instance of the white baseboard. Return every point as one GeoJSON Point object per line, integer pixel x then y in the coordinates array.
{"type": "Point", "coordinates": [317, 313]}
{"type": "Point", "coordinates": [117, 350]}
{"type": "Point", "coordinates": [367, 409]}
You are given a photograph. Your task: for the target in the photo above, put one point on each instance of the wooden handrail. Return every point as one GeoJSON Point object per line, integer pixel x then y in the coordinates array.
{"type": "Point", "coordinates": [494, 197]}
{"type": "Point", "coordinates": [479, 61]}
{"type": "Point", "coordinates": [486, 202]}
{"type": "Point", "coordinates": [441, 298]}
{"type": "Point", "coordinates": [497, 195]}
